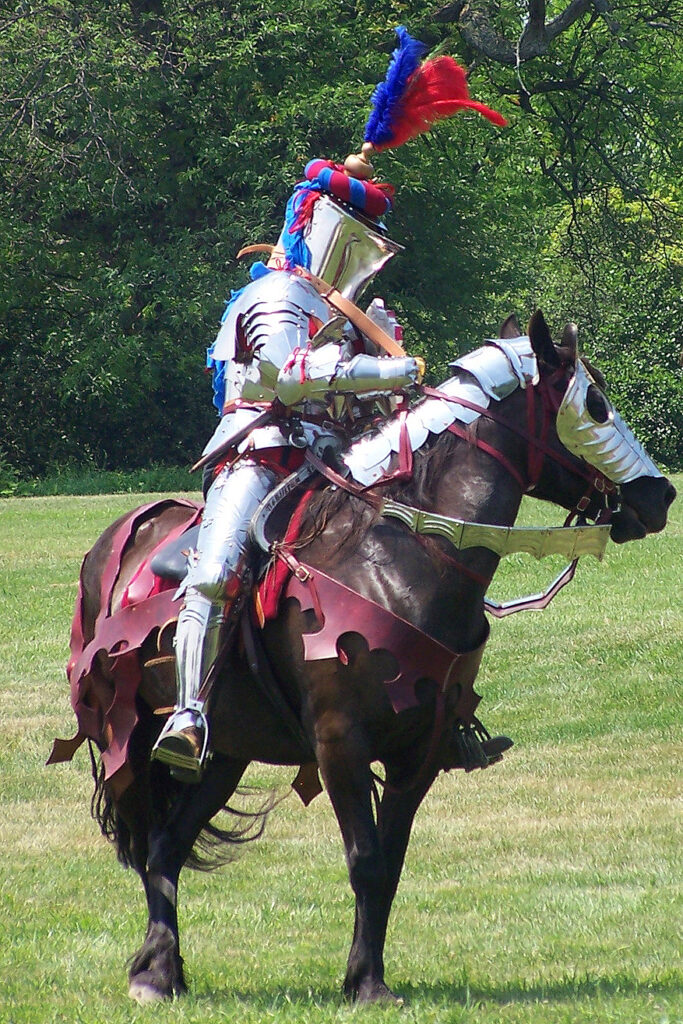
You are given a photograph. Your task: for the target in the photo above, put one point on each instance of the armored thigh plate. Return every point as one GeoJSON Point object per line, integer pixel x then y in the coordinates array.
{"type": "Point", "coordinates": [223, 544]}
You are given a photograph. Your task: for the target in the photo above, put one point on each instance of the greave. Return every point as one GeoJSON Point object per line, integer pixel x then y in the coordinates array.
{"type": "Point", "coordinates": [197, 643]}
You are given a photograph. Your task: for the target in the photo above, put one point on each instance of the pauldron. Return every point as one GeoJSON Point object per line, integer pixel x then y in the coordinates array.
{"type": "Point", "coordinates": [274, 310]}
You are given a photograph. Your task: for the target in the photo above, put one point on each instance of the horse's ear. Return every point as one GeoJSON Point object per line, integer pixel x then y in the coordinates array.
{"type": "Point", "coordinates": [541, 341]}
{"type": "Point", "coordinates": [570, 342]}
{"type": "Point", "coordinates": [510, 328]}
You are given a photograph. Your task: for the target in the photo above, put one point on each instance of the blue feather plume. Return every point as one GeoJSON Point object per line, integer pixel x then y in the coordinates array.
{"type": "Point", "coordinates": [388, 94]}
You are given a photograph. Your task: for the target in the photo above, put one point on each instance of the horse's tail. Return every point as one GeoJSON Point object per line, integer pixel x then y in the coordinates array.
{"type": "Point", "coordinates": [150, 798]}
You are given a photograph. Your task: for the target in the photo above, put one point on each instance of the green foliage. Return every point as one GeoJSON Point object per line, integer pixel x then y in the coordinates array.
{"type": "Point", "coordinates": [143, 143]}
{"type": "Point", "coordinates": [78, 479]}
{"type": "Point", "coordinates": [628, 309]}
{"type": "Point", "coordinates": [9, 479]}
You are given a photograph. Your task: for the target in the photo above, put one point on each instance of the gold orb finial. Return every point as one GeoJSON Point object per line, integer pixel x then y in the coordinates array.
{"type": "Point", "coordinates": [358, 164]}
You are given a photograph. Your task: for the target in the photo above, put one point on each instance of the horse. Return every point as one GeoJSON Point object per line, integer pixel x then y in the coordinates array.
{"type": "Point", "coordinates": [331, 707]}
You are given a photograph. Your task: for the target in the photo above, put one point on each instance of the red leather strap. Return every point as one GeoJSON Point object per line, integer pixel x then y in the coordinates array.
{"type": "Point", "coordinates": [343, 482]}
{"type": "Point", "coordinates": [599, 481]}
{"type": "Point", "coordinates": [459, 431]}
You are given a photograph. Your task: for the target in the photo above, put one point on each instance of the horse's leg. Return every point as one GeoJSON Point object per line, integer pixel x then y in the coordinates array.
{"type": "Point", "coordinates": [397, 812]}
{"type": "Point", "coordinates": [344, 765]}
{"type": "Point", "coordinates": [394, 824]}
{"type": "Point", "coordinates": [156, 970]}
{"type": "Point", "coordinates": [132, 809]}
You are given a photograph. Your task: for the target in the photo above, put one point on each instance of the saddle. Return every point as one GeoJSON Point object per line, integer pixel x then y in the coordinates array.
{"type": "Point", "coordinates": [106, 711]}
{"type": "Point", "coordinates": [170, 561]}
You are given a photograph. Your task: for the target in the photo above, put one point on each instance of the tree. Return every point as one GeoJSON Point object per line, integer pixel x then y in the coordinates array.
{"type": "Point", "coordinates": [143, 143]}
{"type": "Point", "coordinates": [597, 86]}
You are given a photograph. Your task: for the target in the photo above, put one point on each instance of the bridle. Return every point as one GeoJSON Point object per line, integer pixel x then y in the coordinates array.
{"type": "Point", "coordinates": [538, 447]}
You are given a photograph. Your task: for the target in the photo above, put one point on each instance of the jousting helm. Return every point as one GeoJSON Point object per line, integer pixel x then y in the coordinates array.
{"type": "Point", "coordinates": [333, 223]}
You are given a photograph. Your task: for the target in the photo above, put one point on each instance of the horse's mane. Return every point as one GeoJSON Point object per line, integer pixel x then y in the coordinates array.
{"type": "Point", "coordinates": [353, 517]}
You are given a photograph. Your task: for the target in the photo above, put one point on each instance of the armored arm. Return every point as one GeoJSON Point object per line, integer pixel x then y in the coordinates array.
{"type": "Point", "coordinates": [313, 374]}
{"type": "Point", "coordinates": [267, 335]}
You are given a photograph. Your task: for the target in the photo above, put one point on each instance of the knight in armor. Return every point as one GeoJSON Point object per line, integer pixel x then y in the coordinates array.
{"type": "Point", "coordinates": [288, 352]}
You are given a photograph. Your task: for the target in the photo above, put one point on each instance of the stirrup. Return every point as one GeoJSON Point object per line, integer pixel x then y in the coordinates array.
{"type": "Point", "coordinates": [183, 744]}
{"type": "Point", "coordinates": [475, 747]}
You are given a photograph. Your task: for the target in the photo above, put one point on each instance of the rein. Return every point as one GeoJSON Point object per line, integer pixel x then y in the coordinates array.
{"type": "Point", "coordinates": [538, 446]}
{"type": "Point", "coordinates": [572, 541]}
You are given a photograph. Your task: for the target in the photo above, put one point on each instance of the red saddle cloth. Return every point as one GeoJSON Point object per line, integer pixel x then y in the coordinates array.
{"type": "Point", "coordinates": [105, 710]}
{"type": "Point", "coordinates": [104, 703]}
{"type": "Point", "coordinates": [340, 611]}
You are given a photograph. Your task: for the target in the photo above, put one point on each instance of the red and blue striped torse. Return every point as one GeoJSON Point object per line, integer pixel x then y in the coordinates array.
{"type": "Point", "coordinates": [371, 198]}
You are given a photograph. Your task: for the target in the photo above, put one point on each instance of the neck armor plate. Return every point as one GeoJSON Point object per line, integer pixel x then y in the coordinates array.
{"type": "Point", "coordinates": [501, 366]}
{"type": "Point", "coordinates": [606, 444]}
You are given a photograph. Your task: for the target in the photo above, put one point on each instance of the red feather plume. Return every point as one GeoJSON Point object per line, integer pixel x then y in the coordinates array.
{"type": "Point", "coordinates": [436, 89]}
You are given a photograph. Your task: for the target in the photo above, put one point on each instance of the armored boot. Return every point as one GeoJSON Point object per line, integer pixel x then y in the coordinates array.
{"type": "Point", "coordinates": [184, 741]}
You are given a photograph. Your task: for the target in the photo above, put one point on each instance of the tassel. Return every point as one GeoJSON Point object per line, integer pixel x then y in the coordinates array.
{"type": "Point", "coordinates": [414, 96]}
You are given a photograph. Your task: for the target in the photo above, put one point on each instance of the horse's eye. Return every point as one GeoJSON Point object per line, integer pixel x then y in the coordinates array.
{"type": "Point", "coordinates": [597, 405]}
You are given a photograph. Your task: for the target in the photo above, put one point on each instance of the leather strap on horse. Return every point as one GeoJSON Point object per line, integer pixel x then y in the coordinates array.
{"type": "Point", "coordinates": [593, 476]}
{"type": "Point", "coordinates": [344, 306]}
{"type": "Point", "coordinates": [343, 482]}
{"type": "Point", "coordinates": [262, 672]}
{"type": "Point", "coordinates": [377, 502]}
{"type": "Point", "coordinates": [426, 767]}
{"type": "Point", "coordinates": [211, 458]}
{"type": "Point", "coordinates": [484, 446]}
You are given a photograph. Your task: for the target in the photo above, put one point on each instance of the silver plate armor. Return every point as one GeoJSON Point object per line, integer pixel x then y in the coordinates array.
{"type": "Point", "coordinates": [272, 317]}
{"type": "Point", "coordinates": [346, 251]}
{"type": "Point", "coordinates": [369, 457]}
{"type": "Point", "coordinates": [501, 365]}
{"type": "Point", "coordinates": [275, 309]}
{"type": "Point", "coordinates": [314, 375]}
{"type": "Point", "coordinates": [495, 371]}
{"type": "Point", "coordinates": [608, 446]}
{"type": "Point", "coordinates": [223, 538]}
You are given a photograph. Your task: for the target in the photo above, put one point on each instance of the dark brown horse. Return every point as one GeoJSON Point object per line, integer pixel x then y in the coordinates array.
{"type": "Point", "coordinates": [336, 711]}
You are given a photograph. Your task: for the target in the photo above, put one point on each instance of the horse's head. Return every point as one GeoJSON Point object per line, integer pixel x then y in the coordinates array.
{"type": "Point", "coordinates": [594, 434]}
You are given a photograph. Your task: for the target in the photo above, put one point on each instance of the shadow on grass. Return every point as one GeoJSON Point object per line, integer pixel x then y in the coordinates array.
{"type": "Point", "coordinates": [444, 993]}
{"type": "Point", "coordinates": [559, 991]}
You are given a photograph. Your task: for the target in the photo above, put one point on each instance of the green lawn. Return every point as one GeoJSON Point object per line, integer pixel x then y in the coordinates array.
{"type": "Point", "coordinates": [546, 889]}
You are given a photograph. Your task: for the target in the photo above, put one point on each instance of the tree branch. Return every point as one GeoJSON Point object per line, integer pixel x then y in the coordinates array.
{"type": "Point", "coordinates": [475, 25]}
{"type": "Point", "coordinates": [534, 34]}
{"type": "Point", "coordinates": [572, 12]}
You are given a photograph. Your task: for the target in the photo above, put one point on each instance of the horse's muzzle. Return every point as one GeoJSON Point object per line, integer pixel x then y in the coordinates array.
{"type": "Point", "coordinates": [644, 506]}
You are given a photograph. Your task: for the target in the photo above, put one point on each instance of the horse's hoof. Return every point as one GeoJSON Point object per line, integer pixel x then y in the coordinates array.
{"type": "Point", "coordinates": [382, 995]}
{"type": "Point", "coordinates": [374, 992]}
{"type": "Point", "coordinates": [143, 990]}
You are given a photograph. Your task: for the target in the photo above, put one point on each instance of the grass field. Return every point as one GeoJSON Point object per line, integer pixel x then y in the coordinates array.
{"type": "Point", "coordinates": [547, 889]}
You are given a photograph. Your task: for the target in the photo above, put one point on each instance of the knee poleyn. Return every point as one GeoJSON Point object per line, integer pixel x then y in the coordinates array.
{"type": "Point", "coordinates": [215, 580]}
